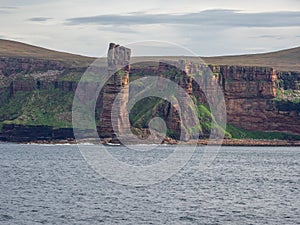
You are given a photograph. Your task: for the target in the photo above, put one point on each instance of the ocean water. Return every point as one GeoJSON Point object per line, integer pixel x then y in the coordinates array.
{"type": "Point", "coordinates": [53, 184]}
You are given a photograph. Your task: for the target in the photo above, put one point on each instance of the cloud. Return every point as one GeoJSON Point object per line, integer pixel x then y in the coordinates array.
{"type": "Point", "coordinates": [8, 7]}
{"type": "Point", "coordinates": [268, 36]}
{"type": "Point", "coordinates": [4, 12]}
{"type": "Point", "coordinates": [39, 19]}
{"type": "Point", "coordinates": [117, 29]}
{"type": "Point", "coordinates": [216, 17]}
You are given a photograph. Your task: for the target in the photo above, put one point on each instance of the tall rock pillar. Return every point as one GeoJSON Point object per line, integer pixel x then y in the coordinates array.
{"type": "Point", "coordinates": [118, 58]}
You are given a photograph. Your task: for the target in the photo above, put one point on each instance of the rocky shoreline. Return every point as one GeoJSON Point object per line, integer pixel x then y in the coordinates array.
{"type": "Point", "coordinates": [168, 141]}
{"type": "Point", "coordinates": [254, 142]}
{"type": "Point", "coordinates": [48, 135]}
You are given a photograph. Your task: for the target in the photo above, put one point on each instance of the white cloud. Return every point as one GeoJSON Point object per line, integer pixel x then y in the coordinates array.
{"type": "Point", "coordinates": [216, 17]}
{"type": "Point", "coordinates": [28, 21]}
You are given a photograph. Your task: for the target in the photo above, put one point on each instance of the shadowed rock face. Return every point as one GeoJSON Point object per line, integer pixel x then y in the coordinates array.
{"type": "Point", "coordinates": [22, 133]}
{"type": "Point", "coordinates": [9, 66]}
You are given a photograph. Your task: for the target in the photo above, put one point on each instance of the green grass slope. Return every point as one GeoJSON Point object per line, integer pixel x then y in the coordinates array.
{"type": "Point", "coordinates": [51, 107]}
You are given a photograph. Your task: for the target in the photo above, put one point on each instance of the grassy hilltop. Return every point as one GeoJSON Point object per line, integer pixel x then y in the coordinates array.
{"type": "Point", "coordinates": [286, 60]}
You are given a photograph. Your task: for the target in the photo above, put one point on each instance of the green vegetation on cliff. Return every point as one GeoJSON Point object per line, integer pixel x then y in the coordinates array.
{"type": "Point", "coordinates": [51, 107]}
{"type": "Point", "coordinates": [238, 133]}
{"type": "Point", "coordinates": [144, 110]}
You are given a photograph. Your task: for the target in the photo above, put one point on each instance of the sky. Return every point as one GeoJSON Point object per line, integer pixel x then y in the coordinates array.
{"type": "Point", "coordinates": [206, 28]}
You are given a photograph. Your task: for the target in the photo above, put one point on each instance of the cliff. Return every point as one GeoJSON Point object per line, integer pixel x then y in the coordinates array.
{"type": "Point", "coordinates": [253, 101]}
{"type": "Point", "coordinates": [255, 97]}
{"type": "Point", "coordinates": [118, 67]}
{"type": "Point", "coordinates": [37, 89]}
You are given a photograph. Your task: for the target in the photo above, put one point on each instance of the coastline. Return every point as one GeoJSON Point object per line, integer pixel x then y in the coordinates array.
{"type": "Point", "coordinates": [254, 142]}
{"type": "Point", "coordinates": [168, 141]}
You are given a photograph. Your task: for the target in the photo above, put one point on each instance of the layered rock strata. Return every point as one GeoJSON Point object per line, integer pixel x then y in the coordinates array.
{"type": "Point", "coordinates": [118, 58]}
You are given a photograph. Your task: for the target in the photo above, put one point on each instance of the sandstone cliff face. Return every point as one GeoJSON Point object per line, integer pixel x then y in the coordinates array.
{"type": "Point", "coordinates": [246, 91]}
{"type": "Point", "coordinates": [25, 78]}
{"type": "Point", "coordinates": [118, 58]}
{"type": "Point", "coordinates": [250, 92]}
{"type": "Point", "coordinates": [28, 74]}
{"type": "Point", "coordinates": [30, 85]}
{"type": "Point", "coordinates": [10, 66]}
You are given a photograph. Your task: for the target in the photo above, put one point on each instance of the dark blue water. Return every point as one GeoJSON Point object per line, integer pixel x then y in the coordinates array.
{"type": "Point", "coordinates": [244, 185]}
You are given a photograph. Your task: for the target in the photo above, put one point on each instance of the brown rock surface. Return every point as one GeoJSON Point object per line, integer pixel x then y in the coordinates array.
{"type": "Point", "coordinates": [118, 67]}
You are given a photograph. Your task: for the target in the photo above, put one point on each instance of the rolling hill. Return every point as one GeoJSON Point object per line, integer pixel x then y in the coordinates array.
{"type": "Point", "coordinates": [285, 60]}
{"type": "Point", "coordinates": [21, 50]}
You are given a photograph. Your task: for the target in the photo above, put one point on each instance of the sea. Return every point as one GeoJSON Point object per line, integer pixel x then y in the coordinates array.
{"type": "Point", "coordinates": [55, 184]}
